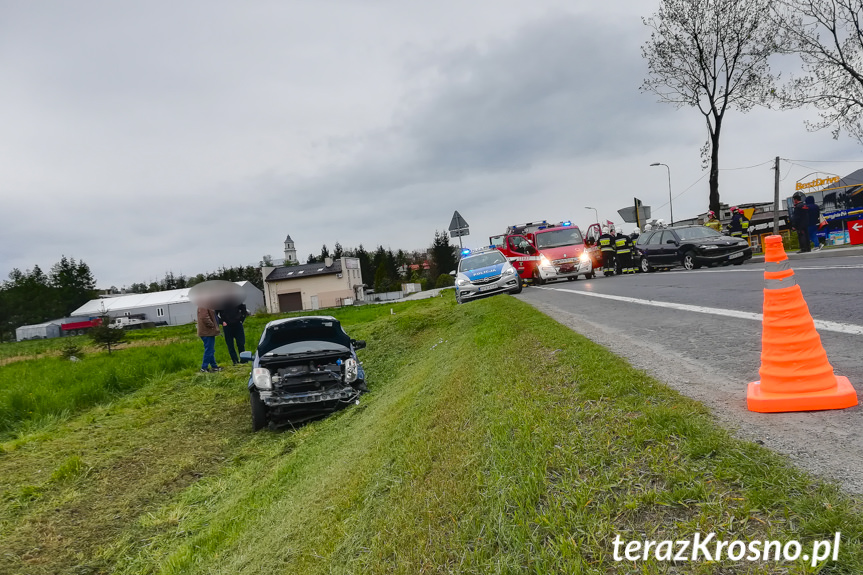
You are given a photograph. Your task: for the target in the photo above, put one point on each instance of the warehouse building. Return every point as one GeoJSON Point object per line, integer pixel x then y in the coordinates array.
{"type": "Point", "coordinates": [171, 307]}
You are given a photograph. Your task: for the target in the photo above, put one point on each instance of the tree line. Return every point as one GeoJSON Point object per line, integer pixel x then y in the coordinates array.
{"type": "Point", "coordinates": [385, 270]}
{"type": "Point", "coordinates": [31, 297]}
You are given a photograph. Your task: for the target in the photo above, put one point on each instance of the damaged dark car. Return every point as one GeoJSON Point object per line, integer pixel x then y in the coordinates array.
{"type": "Point", "coordinates": [304, 368]}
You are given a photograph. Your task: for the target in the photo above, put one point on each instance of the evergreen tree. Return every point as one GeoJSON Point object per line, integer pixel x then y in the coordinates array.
{"type": "Point", "coordinates": [105, 336]}
{"type": "Point", "coordinates": [337, 251]}
{"type": "Point", "coordinates": [443, 255]}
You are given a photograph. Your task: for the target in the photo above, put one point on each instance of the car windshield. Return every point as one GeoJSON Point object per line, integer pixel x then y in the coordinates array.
{"type": "Point", "coordinates": [307, 347]}
{"type": "Point", "coordinates": [559, 238]}
{"type": "Point", "coordinates": [481, 261]}
{"type": "Point", "coordinates": [697, 233]}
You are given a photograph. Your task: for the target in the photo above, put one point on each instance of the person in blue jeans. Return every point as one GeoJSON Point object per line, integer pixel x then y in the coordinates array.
{"type": "Point", "coordinates": [208, 329]}
{"type": "Point", "coordinates": [814, 214]}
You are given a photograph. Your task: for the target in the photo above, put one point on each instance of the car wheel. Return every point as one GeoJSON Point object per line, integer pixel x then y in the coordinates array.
{"type": "Point", "coordinates": [259, 411]}
{"type": "Point", "coordinates": [645, 266]}
{"type": "Point", "coordinates": [590, 276]}
{"type": "Point", "coordinates": [538, 279]}
{"type": "Point", "coordinates": [689, 261]}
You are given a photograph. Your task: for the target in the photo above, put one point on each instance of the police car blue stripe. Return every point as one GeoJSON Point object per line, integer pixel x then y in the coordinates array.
{"type": "Point", "coordinates": [481, 273]}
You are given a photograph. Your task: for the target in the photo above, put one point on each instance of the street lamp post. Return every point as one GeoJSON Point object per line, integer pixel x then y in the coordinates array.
{"type": "Point", "coordinates": [670, 205]}
{"type": "Point", "coordinates": [594, 209]}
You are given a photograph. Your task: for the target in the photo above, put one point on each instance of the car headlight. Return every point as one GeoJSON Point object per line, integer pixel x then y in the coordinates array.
{"type": "Point", "coordinates": [351, 370]}
{"type": "Point", "coordinates": [261, 378]}
{"type": "Point", "coordinates": [509, 271]}
{"type": "Point", "coordinates": [708, 247]}
{"type": "Point", "coordinates": [461, 282]}
{"type": "Point", "coordinates": [584, 257]}
{"type": "Point", "coordinates": [543, 261]}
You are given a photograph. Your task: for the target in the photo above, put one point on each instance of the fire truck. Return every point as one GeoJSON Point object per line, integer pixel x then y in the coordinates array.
{"type": "Point", "coordinates": [558, 254]}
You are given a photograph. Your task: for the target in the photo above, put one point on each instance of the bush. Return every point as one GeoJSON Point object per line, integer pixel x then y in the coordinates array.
{"type": "Point", "coordinates": [71, 349]}
{"type": "Point", "coordinates": [444, 280]}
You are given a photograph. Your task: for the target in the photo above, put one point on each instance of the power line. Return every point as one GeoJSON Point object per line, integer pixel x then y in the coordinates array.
{"type": "Point", "coordinates": [745, 167]}
{"type": "Point", "coordinates": [825, 161]}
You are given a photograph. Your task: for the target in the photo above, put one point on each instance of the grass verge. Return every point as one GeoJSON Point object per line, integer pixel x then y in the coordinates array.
{"type": "Point", "coordinates": [494, 441]}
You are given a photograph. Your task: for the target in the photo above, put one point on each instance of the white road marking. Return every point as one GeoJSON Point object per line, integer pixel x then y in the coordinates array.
{"type": "Point", "coordinates": [760, 269]}
{"type": "Point", "coordinates": [821, 325]}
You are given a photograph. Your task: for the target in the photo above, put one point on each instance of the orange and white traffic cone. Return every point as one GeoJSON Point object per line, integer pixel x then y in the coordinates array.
{"type": "Point", "coordinates": [795, 373]}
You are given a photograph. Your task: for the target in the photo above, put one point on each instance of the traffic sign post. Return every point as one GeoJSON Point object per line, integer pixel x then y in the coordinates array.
{"type": "Point", "coordinates": [458, 227]}
{"type": "Point", "coordinates": [855, 232]}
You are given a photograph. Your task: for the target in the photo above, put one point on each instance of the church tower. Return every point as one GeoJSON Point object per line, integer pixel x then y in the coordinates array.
{"type": "Point", "coordinates": [290, 251]}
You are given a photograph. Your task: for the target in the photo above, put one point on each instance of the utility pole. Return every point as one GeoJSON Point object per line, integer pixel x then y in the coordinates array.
{"type": "Point", "coordinates": [776, 197]}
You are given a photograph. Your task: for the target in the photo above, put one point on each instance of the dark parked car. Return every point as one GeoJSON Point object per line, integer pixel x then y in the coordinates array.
{"type": "Point", "coordinates": [304, 367]}
{"type": "Point", "coordinates": [690, 247]}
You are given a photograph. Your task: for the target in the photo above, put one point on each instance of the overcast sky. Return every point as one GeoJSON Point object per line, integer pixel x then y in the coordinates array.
{"type": "Point", "coordinates": [154, 136]}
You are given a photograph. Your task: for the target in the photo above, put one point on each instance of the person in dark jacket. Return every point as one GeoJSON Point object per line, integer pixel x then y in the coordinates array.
{"type": "Point", "coordinates": [735, 226]}
{"type": "Point", "coordinates": [606, 246]}
{"type": "Point", "coordinates": [232, 318]}
{"type": "Point", "coordinates": [814, 219]}
{"type": "Point", "coordinates": [800, 221]}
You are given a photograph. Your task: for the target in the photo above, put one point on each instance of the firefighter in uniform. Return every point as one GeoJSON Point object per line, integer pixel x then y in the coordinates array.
{"type": "Point", "coordinates": [623, 253]}
{"type": "Point", "coordinates": [744, 224]}
{"type": "Point", "coordinates": [606, 247]}
{"type": "Point", "coordinates": [712, 222]}
{"type": "Point", "coordinates": [735, 227]}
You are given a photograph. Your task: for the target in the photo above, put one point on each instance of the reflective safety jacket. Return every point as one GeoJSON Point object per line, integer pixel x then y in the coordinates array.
{"type": "Point", "coordinates": [622, 244]}
{"type": "Point", "coordinates": [606, 242]}
{"type": "Point", "coordinates": [744, 224]}
{"type": "Point", "coordinates": [714, 224]}
{"type": "Point", "coordinates": [735, 228]}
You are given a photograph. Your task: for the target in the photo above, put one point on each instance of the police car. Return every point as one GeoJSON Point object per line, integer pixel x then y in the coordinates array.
{"type": "Point", "coordinates": [484, 272]}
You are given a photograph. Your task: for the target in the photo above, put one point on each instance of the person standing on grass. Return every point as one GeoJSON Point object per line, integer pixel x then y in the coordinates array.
{"type": "Point", "coordinates": [208, 329]}
{"type": "Point", "coordinates": [232, 318]}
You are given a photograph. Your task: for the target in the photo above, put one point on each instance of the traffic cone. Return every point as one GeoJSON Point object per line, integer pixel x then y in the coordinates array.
{"type": "Point", "coordinates": [795, 372]}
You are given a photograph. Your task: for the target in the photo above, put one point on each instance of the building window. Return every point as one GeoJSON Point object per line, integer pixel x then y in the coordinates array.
{"type": "Point", "coordinates": [160, 312]}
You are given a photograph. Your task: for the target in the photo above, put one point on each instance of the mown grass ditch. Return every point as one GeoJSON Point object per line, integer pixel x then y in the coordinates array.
{"type": "Point", "coordinates": [494, 440]}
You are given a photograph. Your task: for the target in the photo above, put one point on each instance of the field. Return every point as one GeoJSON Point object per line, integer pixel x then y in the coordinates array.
{"type": "Point", "coordinates": [494, 440]}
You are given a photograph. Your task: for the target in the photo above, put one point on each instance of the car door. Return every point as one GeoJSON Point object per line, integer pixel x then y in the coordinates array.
{"type": "Point", "coordinates": [649, 247]}
{"type": "Point", "coordinates": [669, 248]}
{"type": "Point", "coordinates": [524, 254]}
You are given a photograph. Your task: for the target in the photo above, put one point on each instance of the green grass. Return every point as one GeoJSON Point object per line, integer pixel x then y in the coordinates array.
{"type": "Point", "coordinates": [494, 441]}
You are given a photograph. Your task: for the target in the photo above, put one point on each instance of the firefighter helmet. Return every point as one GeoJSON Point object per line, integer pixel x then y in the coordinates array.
{"type": "Point", "coordinates": [711, 214]}
{"type": "Point", "coordinates": [734, 209]}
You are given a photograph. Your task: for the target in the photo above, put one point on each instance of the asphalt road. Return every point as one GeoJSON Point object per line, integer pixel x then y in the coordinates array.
{"type": "Point", "coordinates": [700, 332]}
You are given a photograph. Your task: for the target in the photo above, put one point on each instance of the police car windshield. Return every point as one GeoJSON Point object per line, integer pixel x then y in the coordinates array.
{"type": "Point", "coordinates": [481, 261]}
{"type": "Point", "coordinates": [559, 238]}
{"type": "Point", "coordinates": [697, 233]}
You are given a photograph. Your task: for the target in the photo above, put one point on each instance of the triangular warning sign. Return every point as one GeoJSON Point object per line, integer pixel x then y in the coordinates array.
{"type": "Point", "coordinates": [457, 222]}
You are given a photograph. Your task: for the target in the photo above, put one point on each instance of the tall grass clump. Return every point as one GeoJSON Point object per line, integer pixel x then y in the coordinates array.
{"type": "Point", "coordinates": [47, 387]}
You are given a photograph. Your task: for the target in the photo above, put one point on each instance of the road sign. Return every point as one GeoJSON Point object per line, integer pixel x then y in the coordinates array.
{"type": "Point", "coordinates": [855, 232]}
{"type": "Point", "coordinates": [459, 233]}
{"type": "Point", "coordinates": [628, 214]}
{"type": "Point", "coordinates": [457, 223]}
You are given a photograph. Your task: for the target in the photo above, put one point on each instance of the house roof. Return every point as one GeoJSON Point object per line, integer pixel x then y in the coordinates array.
{"type": "Point", "coordinates": [288, 239]}
{"type": "Point", "coordinates": [135, 300]}
{"type": "Point", "coordinates": [303, 271]}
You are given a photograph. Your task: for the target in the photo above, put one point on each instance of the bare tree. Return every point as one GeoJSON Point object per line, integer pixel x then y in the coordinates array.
{"type": "Point", "coordinates": [826, 35]}
{"type": "Point", "coordinates": [711, 55]}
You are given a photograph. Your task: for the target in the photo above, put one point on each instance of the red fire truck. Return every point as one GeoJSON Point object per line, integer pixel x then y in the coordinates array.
{"type": "Point", "coordinates": [525, 245]}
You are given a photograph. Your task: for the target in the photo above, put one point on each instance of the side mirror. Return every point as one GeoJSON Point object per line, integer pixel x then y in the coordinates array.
{"type": "Point", "coordinates": [670, 242]}
{"type": "Point", "coordinates": [452, 273]}
{"type": "Point", "coordinates": [358, 343]}
{"type": "Point", "coordinates": [245, 356]}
